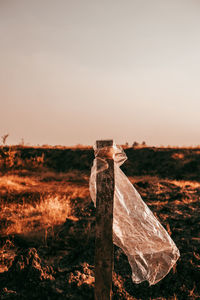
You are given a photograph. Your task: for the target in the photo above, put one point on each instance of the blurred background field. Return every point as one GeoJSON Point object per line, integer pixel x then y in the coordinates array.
{"type": "Point", "coordinates": [47, 221]}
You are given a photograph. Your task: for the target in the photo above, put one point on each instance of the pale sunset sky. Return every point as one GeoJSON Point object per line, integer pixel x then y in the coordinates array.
{"type": "Point", "coordinates": [74, 71]}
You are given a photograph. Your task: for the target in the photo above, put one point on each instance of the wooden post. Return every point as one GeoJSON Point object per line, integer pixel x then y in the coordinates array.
{"type": "Point", "coordinates": [104, 223]}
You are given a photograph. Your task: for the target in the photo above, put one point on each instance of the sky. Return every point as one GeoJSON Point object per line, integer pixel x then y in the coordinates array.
{"type": "Point", "coordinates": [74, 71]}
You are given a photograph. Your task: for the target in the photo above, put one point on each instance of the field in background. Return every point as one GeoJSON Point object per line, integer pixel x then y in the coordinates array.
{"type": "Point", "coordinates": [47, 222]}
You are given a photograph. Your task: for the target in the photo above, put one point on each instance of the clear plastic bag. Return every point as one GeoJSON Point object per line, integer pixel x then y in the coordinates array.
{"type": "Point", "coordinates": [150, 250]}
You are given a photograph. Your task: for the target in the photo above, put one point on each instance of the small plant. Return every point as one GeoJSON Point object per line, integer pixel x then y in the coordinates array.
{"type": "Point", "coordinates": [7, 155]}
{"type": "Point", "coordinates": [4, 138]}
{"type": "Point", "coordinates": [135, 144]}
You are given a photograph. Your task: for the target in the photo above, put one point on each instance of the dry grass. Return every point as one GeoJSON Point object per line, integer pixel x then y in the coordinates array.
{"type": "Point", "coordinates": [51, 209]}
{"type": "Point", "coordinates": [156, 179]}
{"type": "Point", "coordinates": [186, 183]}
{"type": "Point", "coordinates": [34, 208]}
{"type": "Point", "coordinates": [14, 183]}
{"type": "Point", "coordinates": [26, 217]}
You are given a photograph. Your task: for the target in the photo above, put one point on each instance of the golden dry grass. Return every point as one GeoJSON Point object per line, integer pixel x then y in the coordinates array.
{"type": "Point", "coordinates": [28, 217]}
{"type": "Point", "coordinates": [51, 209]}
{"type": "Point", "coordinates": [36, 206]}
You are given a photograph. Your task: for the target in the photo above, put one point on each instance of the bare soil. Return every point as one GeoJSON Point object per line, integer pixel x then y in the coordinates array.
{"type": "Point", "coordinates": [47, 224]}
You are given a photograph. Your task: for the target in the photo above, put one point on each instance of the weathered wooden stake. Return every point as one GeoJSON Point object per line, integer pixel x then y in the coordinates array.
{"type": "Point", "coordinates": [104, 223]}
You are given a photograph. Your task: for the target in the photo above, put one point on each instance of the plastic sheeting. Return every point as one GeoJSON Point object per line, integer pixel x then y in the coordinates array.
{"type": "Point", "coordinates": [150, 250]}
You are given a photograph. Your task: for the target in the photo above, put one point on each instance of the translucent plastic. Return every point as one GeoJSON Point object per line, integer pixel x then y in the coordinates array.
{"type": "Point", "coordinates": [150, 250]}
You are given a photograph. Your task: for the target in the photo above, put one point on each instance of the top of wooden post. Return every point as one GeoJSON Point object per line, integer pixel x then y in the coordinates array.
{"type": "Point", "coordinates": [104, 143]}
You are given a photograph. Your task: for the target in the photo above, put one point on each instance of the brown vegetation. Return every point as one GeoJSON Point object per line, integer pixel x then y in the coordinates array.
{"type": "Point", "coordinates": [47, 223]}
